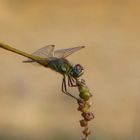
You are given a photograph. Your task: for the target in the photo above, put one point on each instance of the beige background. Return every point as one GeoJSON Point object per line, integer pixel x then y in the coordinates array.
{"type": "Point", "coordinates": [31, 103]}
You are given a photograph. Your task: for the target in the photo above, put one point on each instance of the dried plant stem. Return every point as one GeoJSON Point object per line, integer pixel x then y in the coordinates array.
{"type": "Point", "coordinates": [84, 105]}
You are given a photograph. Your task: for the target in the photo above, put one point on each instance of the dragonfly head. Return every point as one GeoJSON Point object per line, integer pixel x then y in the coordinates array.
{"type": "Point", "coordinates": [77, 71]}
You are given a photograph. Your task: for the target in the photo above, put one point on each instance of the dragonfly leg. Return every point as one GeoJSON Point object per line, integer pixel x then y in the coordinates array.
{"type": "Point", "coordinates": [64, 89]}
{"type": "Point", "coordinates": [71, 82]}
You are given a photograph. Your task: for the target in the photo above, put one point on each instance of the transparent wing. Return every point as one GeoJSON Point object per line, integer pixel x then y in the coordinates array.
{"type": "Point", "coordinates": [66, 52]}
{"type": "Point", "coordinates": [45, 52]}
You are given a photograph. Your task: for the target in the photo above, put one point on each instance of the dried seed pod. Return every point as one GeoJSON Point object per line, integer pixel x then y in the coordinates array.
{"type": "Point", "coordinates": [89, 104]}
{"type": "Point", "coordinates": [83, 123]}
{"type": "Point", "coordinates": [86, 132]}
{"type": "Point", "coordinates": [81, 102]}
{"type": "Point", "coordinates": [84, 106]}
{"type": "Point", "coordinates": [88, 116]}
{"type": "Point", "coordinates": [80, 108]}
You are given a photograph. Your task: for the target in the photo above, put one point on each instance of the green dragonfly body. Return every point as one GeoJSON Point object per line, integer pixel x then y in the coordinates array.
{"type": "Point", "coordinates": [60, 65]}
{"type": "Point", "coordinates": [56, 60]}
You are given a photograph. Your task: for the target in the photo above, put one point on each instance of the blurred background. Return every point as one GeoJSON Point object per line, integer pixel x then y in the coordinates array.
{"type": "Point", "coordinates": [32, 106]}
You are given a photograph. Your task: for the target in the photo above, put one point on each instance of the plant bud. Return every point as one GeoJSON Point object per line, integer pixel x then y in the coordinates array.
{"type": "Point", "coordinates": [83, 123]}
{"type": "Point", "coordinates": [88, 116]}
{"type": "Point", "coordinates": [87, 132]}
{"type": "Point", "coordinates": [85, 95]}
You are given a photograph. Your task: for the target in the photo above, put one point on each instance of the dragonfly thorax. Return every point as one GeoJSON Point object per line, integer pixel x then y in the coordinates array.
{"type": "Point", "coordinates": [63, 66]}
{"type": "Point", "coordinates": [60, 65]}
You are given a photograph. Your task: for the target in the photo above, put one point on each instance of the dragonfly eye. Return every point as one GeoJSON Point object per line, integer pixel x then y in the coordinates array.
{"type": "Point", "coordinates": [77, 71]}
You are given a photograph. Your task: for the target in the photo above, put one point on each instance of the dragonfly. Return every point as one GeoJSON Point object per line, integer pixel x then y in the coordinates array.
{"type": "Point", "coordinates": [55, 60]}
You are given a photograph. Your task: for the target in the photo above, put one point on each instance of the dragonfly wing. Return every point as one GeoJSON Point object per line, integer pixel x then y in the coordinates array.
{"type": "Point", "coordinates": [66, 52]}
{"type": "Point", "coordinates": [45, 52]}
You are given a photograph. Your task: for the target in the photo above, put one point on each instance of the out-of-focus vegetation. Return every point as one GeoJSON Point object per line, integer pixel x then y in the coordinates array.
{"type": "Point", "coordinates": [31, 103]}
